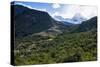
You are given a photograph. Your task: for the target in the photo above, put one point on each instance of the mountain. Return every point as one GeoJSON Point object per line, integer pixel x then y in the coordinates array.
{"type": "Point", "coordinates": [29, 21]}
{"type": "Point", "coordinates": [18, 9]}
{"type": "Point", "coordinates": [63, 48]}
{"type": "Point", "coordinates": [87, 25]}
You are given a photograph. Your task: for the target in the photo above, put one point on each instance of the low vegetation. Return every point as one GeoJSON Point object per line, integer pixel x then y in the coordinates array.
{"type": "Point", "coordinates": [62, 48]}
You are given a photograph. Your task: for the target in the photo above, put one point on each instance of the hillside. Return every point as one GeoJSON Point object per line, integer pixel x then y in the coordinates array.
{"type": "Point", "coordinates": [29, 19]}
{"type": "Point", "coordinates": [87, 25]}
{"type": "Point", "coordinates": [63, 48]}
{"type": "Point", "coordinates": [26, 20]}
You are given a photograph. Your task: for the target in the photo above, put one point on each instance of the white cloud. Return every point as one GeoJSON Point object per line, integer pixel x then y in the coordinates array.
{"type": "Point", "coordinates": [89, 11]}
{"type": "Point", "coordinates": [55, 14]}
{"type": "Point", "coordinates": [68, 11]}
{"type": "Point", "coordinates": [55, 5]}
{"type": "Point", "coordinates": [86, 11]}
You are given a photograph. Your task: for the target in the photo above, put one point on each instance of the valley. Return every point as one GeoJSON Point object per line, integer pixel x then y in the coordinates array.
{"type": "Point", "coordinates": [40, 39]}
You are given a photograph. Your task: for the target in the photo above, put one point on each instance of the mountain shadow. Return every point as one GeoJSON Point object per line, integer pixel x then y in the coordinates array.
{"type": "Point", "coordinates": [29, 21]}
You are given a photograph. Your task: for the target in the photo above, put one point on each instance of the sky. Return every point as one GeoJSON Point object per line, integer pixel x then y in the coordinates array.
{"type": "Point", "coordinates": [63, 10]}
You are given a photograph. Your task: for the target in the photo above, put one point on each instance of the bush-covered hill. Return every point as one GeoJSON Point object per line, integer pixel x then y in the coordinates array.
{"type": "Point", "coordinates": [87, 25]}
{"type": "Point", "coordinates": [63, 48]}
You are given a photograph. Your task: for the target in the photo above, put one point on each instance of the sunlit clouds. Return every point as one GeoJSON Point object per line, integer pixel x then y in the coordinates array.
{"type": "Point", "coordinates": [68, 11]}
{"type": "Point", "coordinates": [55, 6]}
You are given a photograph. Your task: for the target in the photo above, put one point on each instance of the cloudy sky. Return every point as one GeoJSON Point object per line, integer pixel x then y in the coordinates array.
{"type": "Point", "coordinates": [63, 10]}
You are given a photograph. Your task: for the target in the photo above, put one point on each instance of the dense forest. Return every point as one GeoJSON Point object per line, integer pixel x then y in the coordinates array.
{"type": "Point", "coordinates": [62, 48]}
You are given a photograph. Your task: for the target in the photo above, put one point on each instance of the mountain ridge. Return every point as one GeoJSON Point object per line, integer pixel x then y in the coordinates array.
{"type": "Point", "coordinates": [31, 21]}
{"type": "Point", "coordinates": [41, 22]}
